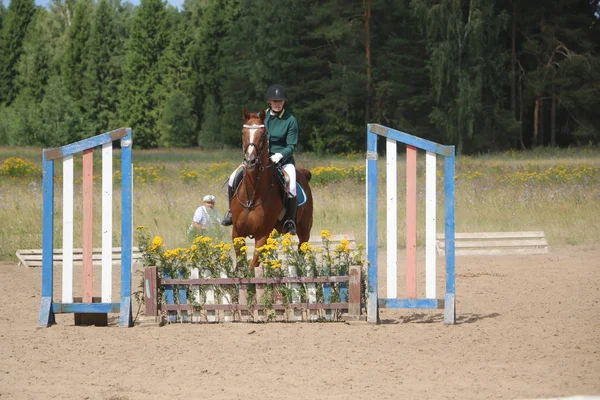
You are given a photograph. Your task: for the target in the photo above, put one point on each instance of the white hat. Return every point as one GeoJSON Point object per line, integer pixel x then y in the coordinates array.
{"type": "Point", "coordinates": [209, 198]}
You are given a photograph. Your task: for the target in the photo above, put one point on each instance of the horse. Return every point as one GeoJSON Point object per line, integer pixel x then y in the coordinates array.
{"type": "Point", "coordinates": [257, 203]}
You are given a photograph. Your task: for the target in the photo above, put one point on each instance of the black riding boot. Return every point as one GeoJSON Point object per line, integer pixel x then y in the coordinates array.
{"type": "Point", "coordinates": [227, 219]}
{"type": "Point", "coordinates": [289, 226]}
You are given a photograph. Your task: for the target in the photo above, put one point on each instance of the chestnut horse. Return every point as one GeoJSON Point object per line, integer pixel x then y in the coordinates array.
{"type": "Point", "coordinates": [257, 203]}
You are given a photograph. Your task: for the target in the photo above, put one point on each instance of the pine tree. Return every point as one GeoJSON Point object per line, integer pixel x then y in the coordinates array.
{"type": "Point", "coordinates": [61, 121]}
{"type": "Point", "coordinates": [103, 72]}
{"type": "Point", "coordinates": [337, 46]}
{"type": "Point", "coordinates": [177, 122]}
{"type": "Point", "coordinates": [148, 40]}
{"type": "Point", "coordinates": [34, 68]}
{"type": "Point", "coordinates": [401, 86]}
{"type": "Point", "coordinates": [209, 73]}
{"type": "Point", "coordinates": [14, 28]}
{"type": "Point", "coordinates": [76, 51]}
{"type": "Point", "coordinates": [2, 11]}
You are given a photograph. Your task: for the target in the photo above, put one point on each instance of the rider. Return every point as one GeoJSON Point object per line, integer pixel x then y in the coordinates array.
{"type": "Point", "coordinates": [283, 138]}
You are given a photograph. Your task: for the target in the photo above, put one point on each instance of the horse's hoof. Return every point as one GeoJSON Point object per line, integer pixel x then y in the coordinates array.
{"type": "Point", "coordinates": [289, 227]}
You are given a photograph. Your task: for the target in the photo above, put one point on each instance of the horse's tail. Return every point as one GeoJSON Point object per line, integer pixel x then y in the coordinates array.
{"type": "Point", "coordinates": [306, 174]}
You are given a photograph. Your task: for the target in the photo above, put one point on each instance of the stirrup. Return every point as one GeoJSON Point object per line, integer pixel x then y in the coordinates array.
{"type": "Point", "coordinates": [289, 227]}
{"type": "Point", "coordinates": [227, 219]}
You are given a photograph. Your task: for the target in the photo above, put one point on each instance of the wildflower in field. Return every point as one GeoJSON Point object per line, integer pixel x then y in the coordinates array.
{"type": "Point", "coordinates": [18, 167]}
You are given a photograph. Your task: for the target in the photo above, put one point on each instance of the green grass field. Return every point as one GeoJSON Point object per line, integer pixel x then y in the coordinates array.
{"type": "Point", "coordinates": [557, 191]}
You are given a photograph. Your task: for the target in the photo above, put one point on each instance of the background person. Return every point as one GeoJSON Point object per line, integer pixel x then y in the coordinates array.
{"type": "Point", "coordinates": [205, 216]}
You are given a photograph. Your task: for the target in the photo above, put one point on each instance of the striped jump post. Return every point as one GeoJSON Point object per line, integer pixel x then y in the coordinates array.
{"type": "Point", "coordinates": [88, 304]}
{"type": "Point", "coordinates": [432, 150]}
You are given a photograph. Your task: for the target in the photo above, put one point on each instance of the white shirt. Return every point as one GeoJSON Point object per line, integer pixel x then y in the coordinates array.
{"type": "Point", "coordinates": [205, 217]}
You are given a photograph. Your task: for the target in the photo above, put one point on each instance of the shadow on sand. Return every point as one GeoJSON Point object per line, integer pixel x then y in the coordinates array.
{"type": "Point", "coordinates": [422, 318]}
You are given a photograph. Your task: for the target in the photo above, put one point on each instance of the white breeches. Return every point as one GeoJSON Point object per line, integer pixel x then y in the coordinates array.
{"type": "Point", "coordinates": [291, 171]}
{"type": "Point", "coordinates": [288, 168]}
{"type": "Point", "coordinates": [232, 176]}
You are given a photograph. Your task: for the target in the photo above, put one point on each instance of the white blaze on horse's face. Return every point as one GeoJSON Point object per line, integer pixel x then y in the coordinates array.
{"type": "Point", "coordinates": [251, 149]}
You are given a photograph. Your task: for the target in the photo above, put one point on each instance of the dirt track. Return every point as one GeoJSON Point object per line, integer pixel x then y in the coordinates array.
{"type": "Point", "coordinates": [528, 327]}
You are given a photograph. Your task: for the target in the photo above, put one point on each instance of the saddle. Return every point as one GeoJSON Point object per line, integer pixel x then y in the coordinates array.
{"type": "Point", "coordinates": [284, 182]}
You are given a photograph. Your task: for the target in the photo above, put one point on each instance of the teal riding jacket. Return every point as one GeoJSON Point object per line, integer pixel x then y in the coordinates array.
{"type": "Point", "coordinates": [283, 134]}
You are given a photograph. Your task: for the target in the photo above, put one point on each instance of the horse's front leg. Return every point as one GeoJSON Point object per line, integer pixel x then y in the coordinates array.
{"type": "Point", "coordinates": [258, 243]}
{"type": "Point", "coordinates": [235, 235]}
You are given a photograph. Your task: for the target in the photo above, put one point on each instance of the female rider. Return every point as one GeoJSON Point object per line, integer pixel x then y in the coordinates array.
{"type": "Point", "coordinates": [283, 138]}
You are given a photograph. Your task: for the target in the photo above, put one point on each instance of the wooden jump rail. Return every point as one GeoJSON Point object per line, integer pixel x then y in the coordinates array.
{"type": "Point", "coordinates": [33, 257]}
{"type": "Point", "coordinates": [497, 243]}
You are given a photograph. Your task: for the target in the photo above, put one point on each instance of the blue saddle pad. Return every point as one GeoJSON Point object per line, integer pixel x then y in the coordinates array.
{"type": "Point", "coordinates": [300, 193]}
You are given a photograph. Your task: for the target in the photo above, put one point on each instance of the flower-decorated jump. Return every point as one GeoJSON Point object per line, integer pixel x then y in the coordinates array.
{"type": "Point", "coordinates": [203, 283]}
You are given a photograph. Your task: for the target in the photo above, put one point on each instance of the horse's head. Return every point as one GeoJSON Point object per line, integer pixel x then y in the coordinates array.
{"type": "Point", "coordinates": [255, 140]}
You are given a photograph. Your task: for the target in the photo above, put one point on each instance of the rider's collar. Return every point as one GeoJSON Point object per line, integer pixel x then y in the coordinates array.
{"type": "Point", "coordinates": [272, 113]}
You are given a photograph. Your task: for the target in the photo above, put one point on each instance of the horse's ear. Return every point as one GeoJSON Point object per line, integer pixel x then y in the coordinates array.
{"type": "Point", "coordinates": [245, 114]}
{"type": "Point", "coordinates": [262, 115]}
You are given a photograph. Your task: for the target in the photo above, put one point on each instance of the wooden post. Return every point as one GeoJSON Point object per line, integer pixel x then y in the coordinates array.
{"type": "Point", "coordinates": [259, 315]}
{"type": "Point", "coordinates": [411, 222]}
{"type": "Point", "coordinates": [354, 292]}
{"type": "Point", "coordinates": [88, 205]}
{"type": "Point", "coordinates": [150, 292]}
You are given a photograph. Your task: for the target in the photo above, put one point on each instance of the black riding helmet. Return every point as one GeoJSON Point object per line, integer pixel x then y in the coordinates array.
{"type": "Point", "coordinates": [276, 92]}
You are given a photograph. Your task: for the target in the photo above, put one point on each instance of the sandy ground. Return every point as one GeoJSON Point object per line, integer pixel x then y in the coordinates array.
{"type": "Point", "coordinates": [528, 327]}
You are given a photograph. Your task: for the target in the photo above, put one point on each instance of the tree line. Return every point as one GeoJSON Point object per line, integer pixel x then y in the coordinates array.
{"type": "Point", "coordinates": [484, 75]}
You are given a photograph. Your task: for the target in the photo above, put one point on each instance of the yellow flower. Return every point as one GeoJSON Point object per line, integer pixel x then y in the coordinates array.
{"type": "Point", "coordinates": [244, 249]}
{"type": "Point", "coordinates": [169, 254]}
{"type": "Point", "coordinates": [325, 234]}
{"type": "Point", "coordinates": [305, 247]}
{"type": "Point", "coordinates": [239, 241]}
{"type": "Point", "coordinates": [157, 241]}
{"type": "Point", "coordinates": [276, 264]}
{"type": "Point", "coordinates": [273, 233]}
{"type": "Point", "coordinates": [286, 242]}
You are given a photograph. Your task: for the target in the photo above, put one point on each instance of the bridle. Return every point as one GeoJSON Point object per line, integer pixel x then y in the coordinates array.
{"type": "Point", "coordinates": [264, 136]}
{"type": "Point", "coordinates": [250, 165]}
